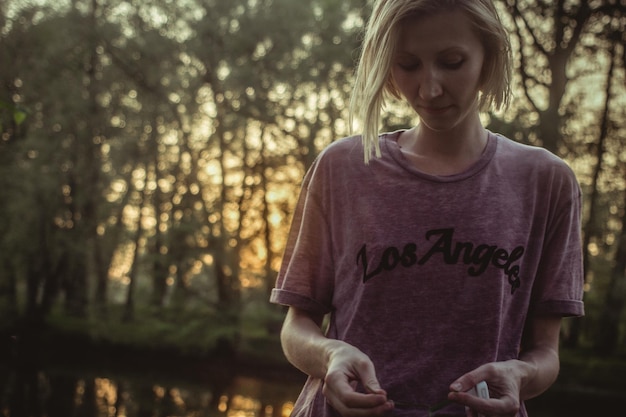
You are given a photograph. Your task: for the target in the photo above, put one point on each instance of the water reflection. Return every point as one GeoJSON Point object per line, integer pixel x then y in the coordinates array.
{"type": "Point", "coordinates": [27, 391]}
{"type": "Point", "coordinates": [67, 394]}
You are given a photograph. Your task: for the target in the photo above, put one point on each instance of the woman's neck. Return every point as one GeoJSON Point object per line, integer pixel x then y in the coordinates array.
{"type": "Point", "coordinates": [443, 153]}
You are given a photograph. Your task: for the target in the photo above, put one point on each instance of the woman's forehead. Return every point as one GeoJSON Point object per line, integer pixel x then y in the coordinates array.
{"type": "Point", "coordinates": [438, 32]}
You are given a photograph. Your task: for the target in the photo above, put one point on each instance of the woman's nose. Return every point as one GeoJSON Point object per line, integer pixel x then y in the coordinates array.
{"type": "Point", "coordinates": [429, 85]}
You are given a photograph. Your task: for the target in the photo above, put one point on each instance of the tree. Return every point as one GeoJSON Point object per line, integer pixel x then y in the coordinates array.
{"type": "Point", "coordinates": [164, 142]}
{"type": "Point", "coordinates": [554, 42]}
{"type": "Point", "coordinates": [606, 340]}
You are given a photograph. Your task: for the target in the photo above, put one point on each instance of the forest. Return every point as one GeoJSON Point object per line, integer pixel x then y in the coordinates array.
{"type": "Point", "coordinates": [151, 153]}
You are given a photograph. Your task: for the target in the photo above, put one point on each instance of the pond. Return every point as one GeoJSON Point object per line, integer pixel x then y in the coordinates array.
{"type": "Point", "coordinates": [221, 391]}
{"type": "Point", "coordinates": [75, 392]}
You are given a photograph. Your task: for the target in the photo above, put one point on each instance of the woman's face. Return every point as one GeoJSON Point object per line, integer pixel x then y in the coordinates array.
{"type": "Point", "coordinates": [437, 68]}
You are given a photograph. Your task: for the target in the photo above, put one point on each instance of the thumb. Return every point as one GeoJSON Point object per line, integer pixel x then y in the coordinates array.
{"type": "Point", "coordinates": [373, 387]}
{"type": "Point", "coordinates": [468, 381]}
{"type": "Point", "coordinates": [368, 377]}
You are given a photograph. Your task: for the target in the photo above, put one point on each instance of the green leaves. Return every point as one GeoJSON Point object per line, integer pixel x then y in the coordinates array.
{"type": "Point", "coordinates": [17, 113]}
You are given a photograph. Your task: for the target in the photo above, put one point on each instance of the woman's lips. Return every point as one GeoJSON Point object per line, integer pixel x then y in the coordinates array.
{"type": "Point", "coordinates": [435, 110]}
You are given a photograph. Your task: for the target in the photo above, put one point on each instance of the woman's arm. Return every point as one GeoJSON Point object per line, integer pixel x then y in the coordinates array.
{"type": "Point", "coordinates": [339, 364]}
{"type": "Point", "coordinates": [540, 352]}
{"type": "Point", "coordinates": [304, 344]}
{"type": "Point", "coordinates": [513, 381]}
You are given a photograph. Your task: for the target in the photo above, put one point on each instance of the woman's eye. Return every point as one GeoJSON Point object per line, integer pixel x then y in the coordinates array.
{"type": "Point", "coordinates": [408, 66]}
{"type": "Point", "coordinates": [453, 64]}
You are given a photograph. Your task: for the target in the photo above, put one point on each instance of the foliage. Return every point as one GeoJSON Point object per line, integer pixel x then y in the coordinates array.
{"type": "Point", "coordinates": [151, 152]}
{"type": "Point", "coordinates": [196, 333]}
{"type": "Point", "coordinates": [585, 369]}
{"type": "Point", "coordinates": [11, 113]}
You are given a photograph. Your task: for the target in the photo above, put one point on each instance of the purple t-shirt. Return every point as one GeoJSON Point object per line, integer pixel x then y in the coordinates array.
{"type": "Point", "coordinates": [432, 276]}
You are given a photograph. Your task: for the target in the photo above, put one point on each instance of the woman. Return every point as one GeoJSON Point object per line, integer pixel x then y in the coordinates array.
{"type": "Point", "coordinates": [450, 256]}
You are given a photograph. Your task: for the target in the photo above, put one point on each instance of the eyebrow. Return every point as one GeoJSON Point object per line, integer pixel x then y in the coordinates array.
{"type": "Point", "coordinates": [449, 50]}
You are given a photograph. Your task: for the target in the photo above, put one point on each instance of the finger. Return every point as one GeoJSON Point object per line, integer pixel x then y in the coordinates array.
{"type": "Point", "coordinates": [366, 373]}
{"type": "Point", "coordinates": [358, 404]}
{"type": "Point", "coordinates": [360, 400]}
{"type": "Point", "coordinates": [475, 406]}
{"type": "Point", "coordinates": [375, 389]}
{"type": "Point", "coordinates": [467, 381]}
{"type": "Point", "coordinates": [339, 390]}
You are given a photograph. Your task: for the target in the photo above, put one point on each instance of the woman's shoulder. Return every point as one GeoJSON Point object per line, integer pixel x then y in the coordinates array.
{"type": "Point", "coordinates": [343, 145]}
{"type": "Point", "coordinates": [529, 154]}
{"type": "Point", "coordinates": [343, 160]}
{"type": "Point", "coordinates": [350, 149]}
{"type": "Point", "coordinates": [346, 152]}
{"type": "Point", "coordinates": [534, 162]}
{"type": "Point", "coordinates": [522, 149]}
{"type": "Point", "coordinates": [338, 158]}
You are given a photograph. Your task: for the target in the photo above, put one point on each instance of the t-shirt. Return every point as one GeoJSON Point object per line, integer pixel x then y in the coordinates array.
{"type": "Point", "coordinates": [432, 276]}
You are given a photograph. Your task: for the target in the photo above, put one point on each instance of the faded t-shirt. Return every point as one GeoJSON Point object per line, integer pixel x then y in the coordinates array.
{"type": "Point", "coordinates": [432, 276]}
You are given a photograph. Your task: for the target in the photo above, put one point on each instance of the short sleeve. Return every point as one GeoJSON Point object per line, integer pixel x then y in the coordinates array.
{"type": "Point", "coordinates": [306, 277]}
{"type": "Point", "coordinates": [558, 288]}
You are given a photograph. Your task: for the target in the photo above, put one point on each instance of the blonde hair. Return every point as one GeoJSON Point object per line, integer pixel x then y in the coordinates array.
{"type": "Point", "coordinates": [374, 82]}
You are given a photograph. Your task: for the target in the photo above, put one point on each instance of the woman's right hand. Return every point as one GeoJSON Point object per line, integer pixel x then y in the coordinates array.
{"type": "Point", "coordinates": [348, 366]}
{"type": "Point", "coordinates": [340, 365]}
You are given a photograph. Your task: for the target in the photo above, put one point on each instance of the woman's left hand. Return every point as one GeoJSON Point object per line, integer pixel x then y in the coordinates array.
{"type": "Point", "coordinates": [513, 381]}
{"type": "Point", "coordinates": [504, 381]}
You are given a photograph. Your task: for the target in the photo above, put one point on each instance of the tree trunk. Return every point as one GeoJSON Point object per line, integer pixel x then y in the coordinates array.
{"type": "Point", "coordinates": [568, 26]}
{"type": "Point", "coordinates": [590, 231]}
{"type": "Point", "coordinates": [129, 306]}
{"type": "Point", "coordinates": [159, 250]}
{"type": "Point", "coordinates": [102, 277]}
{"type": "Point", "coordinates": [608, 337]}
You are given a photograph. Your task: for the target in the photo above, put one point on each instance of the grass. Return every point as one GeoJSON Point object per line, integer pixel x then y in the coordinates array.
{"type": "Point", "coordinates": [584, 370]}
